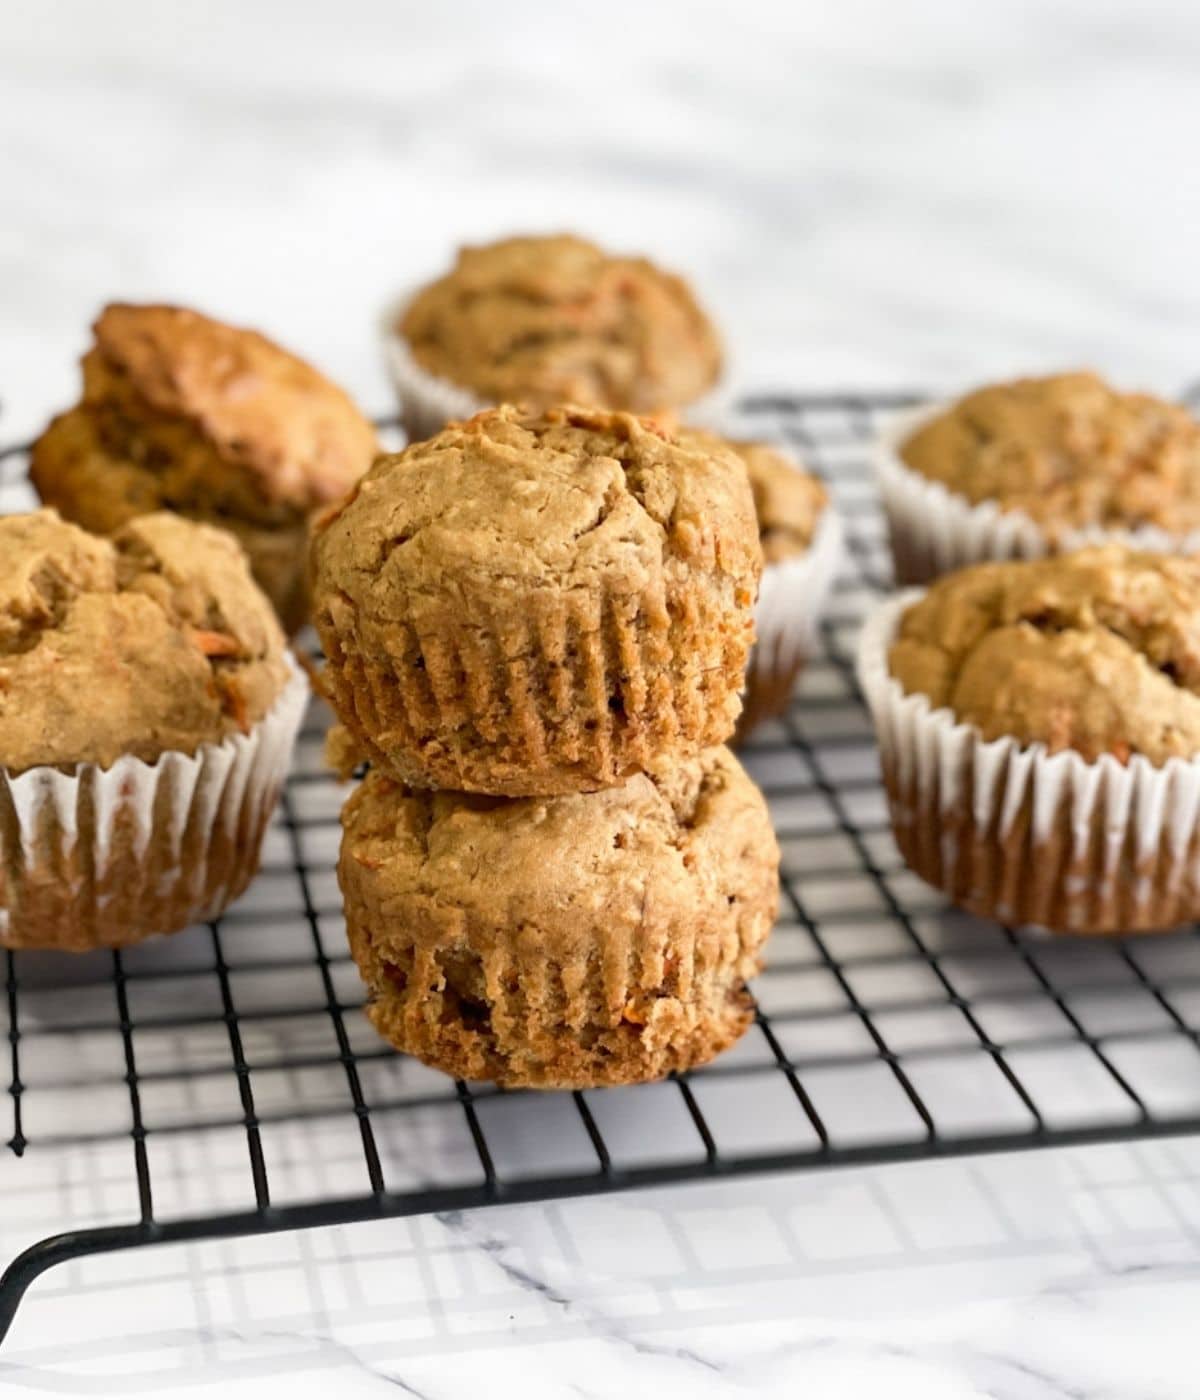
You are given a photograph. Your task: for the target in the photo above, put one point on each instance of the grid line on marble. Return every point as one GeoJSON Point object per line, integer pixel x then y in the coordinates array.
{"type": "Point", "coordinates": [224, 1082]}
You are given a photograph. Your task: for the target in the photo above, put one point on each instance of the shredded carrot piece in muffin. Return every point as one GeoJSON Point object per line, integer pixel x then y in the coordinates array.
{"type": "Point", "coordinates": [214, 643]}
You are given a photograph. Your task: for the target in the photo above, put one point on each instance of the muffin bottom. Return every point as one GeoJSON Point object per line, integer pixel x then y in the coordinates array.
{"type": "Point", "coordinates": [787, 616]}
{"type": "Point", "coordinates": [60, 904]}
{"type": "Point", "coordinates": [103, 858]}
{"type": "Point", "coordinates": [770, 683]}
{"type": "Point", "coordinates": [1017, 879]}
{"type": "Point", "coordinates": [676, 1036]}
{"type": "Point", "coordinates": [516, 1016]}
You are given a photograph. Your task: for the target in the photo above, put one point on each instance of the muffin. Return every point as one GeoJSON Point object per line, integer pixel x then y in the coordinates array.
{"type": "Point", "coordinates": [1038, 467]}
{"type": "Point", "coordinates": [183, 413]}
{"type": "Point", "coordinates": [801, 542]}
{"type": "Point", "coordinates": [147, 711]}
{"type": "Point", "coordinates": [1039, 726]}
{"type": "Point", "coordinates": [538, 603]}
{"type": "Point", "coordinates": [547, 320]}
{"type": "Point", "coordinates": [567, 942]}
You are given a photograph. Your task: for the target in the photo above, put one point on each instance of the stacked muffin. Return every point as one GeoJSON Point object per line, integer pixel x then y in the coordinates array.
{"type": "Point", "coordinates": [535, 626]}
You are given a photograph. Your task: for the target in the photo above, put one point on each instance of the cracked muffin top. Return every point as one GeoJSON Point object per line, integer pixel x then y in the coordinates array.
{"type": "Point", "coordinates": [155, 640]}
{"type": "Point", "coordinates": [565, 499]}
{"type": "Point", "coordinates": [788, 501]}
{"type": "Point", "coordinates": [198, 416]}
{"type": "Point", "coordinates": [1097, 651]}
{"type": "Point", "coordinates": [546, 320]}
{"type": "Point", "coordinates": [540, 866]}
{"type": "Point", "coordinates": [1069, 451]}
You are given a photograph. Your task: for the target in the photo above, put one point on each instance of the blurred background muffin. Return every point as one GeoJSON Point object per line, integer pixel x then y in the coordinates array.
{"type": "Point", "coordinates": [801, 540]}
{"type": "Point", "coordinates": [180, 412]}
{"type": "Point", "coordinates": [1035, 467]}
{"type": "Point", "coordinates": [544, 320]}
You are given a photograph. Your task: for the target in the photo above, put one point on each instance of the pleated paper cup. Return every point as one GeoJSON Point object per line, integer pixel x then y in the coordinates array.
{"type": "Point", "coordinates": [104, 857]}
{"type": "Point", "coordinates": [791, 600]}
{"type": "Point", "coordinates": [542, 691]}
{"type": "Point", "coordinates": [1012, 832]}
{"type": "Point", "coordinates": [934, 530]}
{"type": "Point", "coordinates": [428, 402]}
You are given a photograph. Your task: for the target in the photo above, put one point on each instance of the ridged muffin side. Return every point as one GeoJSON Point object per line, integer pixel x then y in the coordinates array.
{"type": "Point", "coordinates": [567, 942]}
{"type": "Point", "coordinates": [530, 604]}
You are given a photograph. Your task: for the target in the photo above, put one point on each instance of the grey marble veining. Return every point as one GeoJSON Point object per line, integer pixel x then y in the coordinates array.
{"type": "Point", "coordinates": [1028, 1277]}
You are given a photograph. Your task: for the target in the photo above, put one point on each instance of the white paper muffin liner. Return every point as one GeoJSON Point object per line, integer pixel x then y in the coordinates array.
{"type": "Point", "coordinates": [1012, 832]}
{"type": "Point", "coordinates": [791, 600]}
{"type": "Point", "coordinates": [189, 829]}
{"type": "Point", "coordinates": [934, 530]}
{"type": "Point", "coordinates": [428, 402]}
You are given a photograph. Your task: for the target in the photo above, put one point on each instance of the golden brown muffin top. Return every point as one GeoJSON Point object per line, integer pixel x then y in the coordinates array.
{"type": "Point", "coordinates": [1069, 451]}
{"type": "Point", "coordinates": [214, 414]}
{"type": "Point", "coordinates": [512, 499]}
{"type": "Point", "coordinates": [548, 320]}
{"type": "Point", "coordinates": [788, 501]}
{"type": "Point", "coordinates": [551, 865]}
{"type": "Point", "coordinates": [155, 640]}
{"type": "Point", "coordinates": [1097, 651]}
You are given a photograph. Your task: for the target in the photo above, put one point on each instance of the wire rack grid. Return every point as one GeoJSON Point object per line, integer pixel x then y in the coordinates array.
{"type": "Point", "coordinates": [225, 1082]}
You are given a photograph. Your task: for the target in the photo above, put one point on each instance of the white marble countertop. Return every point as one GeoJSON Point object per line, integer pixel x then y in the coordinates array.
{"type": "Point", "coordinates": [1034, 1276]}
{"type": "Point", "coordinates": [867, 194]}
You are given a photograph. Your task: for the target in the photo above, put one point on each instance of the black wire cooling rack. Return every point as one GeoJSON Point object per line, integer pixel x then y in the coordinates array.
{"type": "Point", "coordinates": [224, 1082]}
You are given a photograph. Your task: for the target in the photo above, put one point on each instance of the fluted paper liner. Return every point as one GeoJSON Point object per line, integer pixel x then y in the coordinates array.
{"type": "Point", "coordinates": [1015, 833]}
{"type": "Point", "coordinates": [428, 402]}
{"type": "Point", "coordinates": [104, 857]}
{"type": "Point", "coordinates": [791, 599]}
{"type": "Point", "coordinates": [570, 693]}
{"type": "Point", "coordinates": [934, 530]}
{"type": "Point", "coordinates": [611, 1014]}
